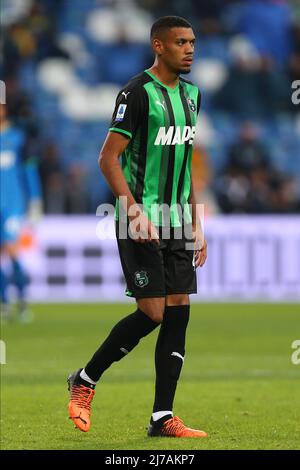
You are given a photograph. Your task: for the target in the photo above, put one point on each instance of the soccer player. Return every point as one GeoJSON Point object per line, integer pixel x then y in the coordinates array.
{"type": "Point", "coordinates": [19, 194]}
{"type": "Point", "coordinates": [152, 128]}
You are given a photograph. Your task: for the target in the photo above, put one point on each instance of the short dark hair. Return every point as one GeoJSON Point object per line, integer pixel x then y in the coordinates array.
{"type": "Point", "coordinates": [167, 22]}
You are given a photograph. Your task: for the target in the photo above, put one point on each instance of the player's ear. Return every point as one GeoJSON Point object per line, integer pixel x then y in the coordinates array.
{"type": "Point", "coordinates": [157, 46]}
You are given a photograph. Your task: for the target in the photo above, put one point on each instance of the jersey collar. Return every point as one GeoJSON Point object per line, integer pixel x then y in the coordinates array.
{"type": "Point", "coordinates": [172, 90]}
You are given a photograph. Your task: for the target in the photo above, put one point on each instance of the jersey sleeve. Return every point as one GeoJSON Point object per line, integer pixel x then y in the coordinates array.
{"type": "Point", "coordinates": [128, 111]}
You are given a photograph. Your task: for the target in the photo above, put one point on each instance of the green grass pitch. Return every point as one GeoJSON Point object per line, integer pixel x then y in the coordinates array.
{"type": "Point", "coordinates": [238, 382]}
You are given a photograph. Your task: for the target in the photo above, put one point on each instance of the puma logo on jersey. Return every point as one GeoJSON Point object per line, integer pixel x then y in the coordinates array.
{"type": "Point", "coordinates": [161, 104]}
{"type": "Point", "coordinates": [175, 135]}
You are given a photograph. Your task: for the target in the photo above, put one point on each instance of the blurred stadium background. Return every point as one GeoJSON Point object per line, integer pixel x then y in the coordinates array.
{"type": "Point", "coordinates": [63, 63]}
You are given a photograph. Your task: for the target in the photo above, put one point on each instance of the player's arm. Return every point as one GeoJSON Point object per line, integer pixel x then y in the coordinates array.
{"type": "Point", "coordinates": [200, 242]}
{"type": "Point", "coordinates": [131, 104]}
{"type": "Point", "coordinates": [114, 145]}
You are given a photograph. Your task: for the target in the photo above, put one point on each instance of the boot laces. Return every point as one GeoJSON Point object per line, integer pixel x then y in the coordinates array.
{"type": "Point", "coordinates": [173, 426]}
{"type": "Point", "coordinates": [82, 396]}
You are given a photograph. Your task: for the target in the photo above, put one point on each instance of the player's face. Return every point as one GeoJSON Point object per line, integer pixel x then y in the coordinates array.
{"type": "Point", "coordinates": [177, 49]}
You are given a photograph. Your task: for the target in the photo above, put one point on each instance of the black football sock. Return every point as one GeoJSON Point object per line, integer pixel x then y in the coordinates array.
{"type": "Point", "coordinates": [169, 355]}
{"type": "Point", "coordinates": [124, 336]}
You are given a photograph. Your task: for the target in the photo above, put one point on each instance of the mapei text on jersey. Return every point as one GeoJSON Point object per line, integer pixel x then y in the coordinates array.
{"type": "Point", "coordinates": [175, 135]}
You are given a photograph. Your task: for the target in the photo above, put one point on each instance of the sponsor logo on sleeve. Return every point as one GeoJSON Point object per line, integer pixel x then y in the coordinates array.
{"type": "Point", "coordinates": [121, 112]}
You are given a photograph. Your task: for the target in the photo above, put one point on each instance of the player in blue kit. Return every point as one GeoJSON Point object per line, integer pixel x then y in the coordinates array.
{"type": "Point", "coordinates": [20, 194]}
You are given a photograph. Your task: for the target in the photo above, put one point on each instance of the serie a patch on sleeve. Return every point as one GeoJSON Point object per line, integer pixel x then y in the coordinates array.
{"type": "Point", "coordinates": [121, 112]}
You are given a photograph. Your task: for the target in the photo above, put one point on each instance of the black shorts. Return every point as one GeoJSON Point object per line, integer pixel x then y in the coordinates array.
{"type": "Point", "coordinates": [156, 271]}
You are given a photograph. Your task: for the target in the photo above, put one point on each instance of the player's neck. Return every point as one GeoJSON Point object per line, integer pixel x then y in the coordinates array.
{"type": "Point", "coordinates": [166, 77]}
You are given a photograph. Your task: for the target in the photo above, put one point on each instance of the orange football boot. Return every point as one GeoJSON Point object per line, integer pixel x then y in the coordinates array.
{"type": "Point", "coordinates": [173, 427]}
{"type": "Point", "coordinates": [81, 398]}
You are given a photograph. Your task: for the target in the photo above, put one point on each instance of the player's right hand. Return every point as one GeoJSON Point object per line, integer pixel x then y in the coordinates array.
{"type": "Point", "coordinates": [142, 230]}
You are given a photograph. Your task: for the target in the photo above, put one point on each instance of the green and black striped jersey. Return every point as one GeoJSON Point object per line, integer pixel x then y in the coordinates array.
{"type": "Point", "coordinates": [160, 122]}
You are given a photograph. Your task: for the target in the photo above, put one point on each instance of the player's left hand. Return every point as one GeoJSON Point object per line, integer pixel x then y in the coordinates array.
{"type": "Point", "coordinates": [200, 249]}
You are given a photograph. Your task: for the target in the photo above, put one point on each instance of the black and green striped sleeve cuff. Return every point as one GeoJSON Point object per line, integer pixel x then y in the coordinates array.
{"type": "Point", "coordinates": [116, 129]}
